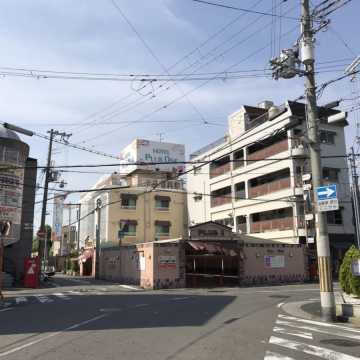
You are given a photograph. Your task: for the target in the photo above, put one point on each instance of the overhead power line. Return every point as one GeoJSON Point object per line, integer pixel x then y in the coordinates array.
{"type": "Point", "coordinates": [246, 10]}
{"type": "Point", "coordinates": [197, 162]}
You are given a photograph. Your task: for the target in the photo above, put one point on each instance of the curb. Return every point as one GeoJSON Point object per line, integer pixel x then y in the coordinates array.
{"type": "Point", "coordinates": [295, 309]}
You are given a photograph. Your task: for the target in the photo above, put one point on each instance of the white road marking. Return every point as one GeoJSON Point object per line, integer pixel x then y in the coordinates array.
{"type": "Point", "coordinates": [279, 305]}
{"type": "Point", "coordinates": [180, 298]}
{"type": "Point", "coordinates": [21, 299]}
{"type": "Point", "coordinates": [335, 332]}
{"type": "Point", "coordinates": [61, 296]}
{"type": "Point", "coordinates": [302, 334]}
{"type": "Point", "coordinates": [73, 292]}
{"type": "Point", "coordinates": [24, 346]}
{"type": "Point", "coordinates": [312, 322]}
{"type": "Point", "coordinates": [269, 355]}
{"type": "Point", "coordinates": [43, 299]}
{"type": "Point", "coordinates": [311, 349]}
{"type": "Point", "coordinates": [6, 309]}
{"type": "Point", "coordinates": [140, 305]}
{"type": "Point", "coordinates": [129, 287]}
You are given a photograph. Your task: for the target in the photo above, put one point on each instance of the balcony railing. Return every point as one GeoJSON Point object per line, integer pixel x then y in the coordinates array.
{"type": "Point", "coordinates": [269, 151]}
{"type": "Point", "coordinates": [272, 225]}
{"type": "Point", "coordinates": [270, 187]}
{"type": "Point", "coordinates": [220, 200]}
{"type": "Point", "coordinates": [219, 170]}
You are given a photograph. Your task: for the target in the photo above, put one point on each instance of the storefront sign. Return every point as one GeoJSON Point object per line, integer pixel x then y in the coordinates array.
{"type": "Point", "coordinates": [274, 261]}
{"type": "Point", "coordinates": [167, 261]}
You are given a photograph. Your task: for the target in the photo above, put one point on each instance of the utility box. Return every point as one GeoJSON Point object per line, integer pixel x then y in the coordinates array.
{"type": "Point", "coordinates": [355, 267]}
{"type": "Point", "coordinates": [31, 273]}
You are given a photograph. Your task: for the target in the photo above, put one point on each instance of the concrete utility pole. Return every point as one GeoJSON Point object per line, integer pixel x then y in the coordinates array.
{"type": "Point", "coordinates": [78, 227]}
{"type": "Point", "coordinates": [327, 298]}
{"type": "Point", "coordinates": [287, 66]}
{"type": "Point", "coordinates": [48, 177]}
{"type": "Point", "coordinates": [97, 249]}
{"type": "Point", "coordinates": [355, 191]}
{"type": "Point", "coordinates": [42, 232]}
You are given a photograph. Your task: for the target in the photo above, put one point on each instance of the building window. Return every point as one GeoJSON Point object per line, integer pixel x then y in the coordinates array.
{"type": "Point", "coordinates": [238, 158]}
{"type": "Point", "coordinates": [128, 227]}
{"type": "Point", "coordinates": [327, 137]}
{"type": "Point", "coordinates": [334, 217]}
{"type": "Point", "coordinates": [241, 224]}
{"type": "Point", "coordinates": [162, 228]}
{"type": "Point", "coordinates": [128, 201]}
{"type": "Point", "coordinates": [240, 191]}
{"type": "Point", "coordinates": [162, 202]}
{"type": "Point", "coordinates": [330, 174]}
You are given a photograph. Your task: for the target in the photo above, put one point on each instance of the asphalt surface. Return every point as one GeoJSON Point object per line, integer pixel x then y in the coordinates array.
{"type": "Point", "coordinates": [84, 319]}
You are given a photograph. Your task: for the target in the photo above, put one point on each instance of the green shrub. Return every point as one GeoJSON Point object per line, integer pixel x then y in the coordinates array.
{"type": "Point", "coordinates": [349, 283]}
{"type": "Point", "coordinates": [75, 266]}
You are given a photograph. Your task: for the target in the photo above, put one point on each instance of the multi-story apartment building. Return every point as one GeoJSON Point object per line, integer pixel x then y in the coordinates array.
{"type": "Point", "coordinates": [252, 178]}
{"type": "Point", "coordinates": [145, 206]}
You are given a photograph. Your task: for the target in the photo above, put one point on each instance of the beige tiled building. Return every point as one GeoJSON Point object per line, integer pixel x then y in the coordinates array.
{"type": "Point", "coordinates": [144, 206]}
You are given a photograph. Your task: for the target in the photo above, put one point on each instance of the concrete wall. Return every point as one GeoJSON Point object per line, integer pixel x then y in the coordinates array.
{"type": "Point", "coordinates": [257, 271]}
{"type": "Point", "coordinates": [146, 265]}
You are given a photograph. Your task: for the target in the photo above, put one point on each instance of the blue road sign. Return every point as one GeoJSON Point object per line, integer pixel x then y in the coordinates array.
{"type": "Point", "coordinates": [327, 192]}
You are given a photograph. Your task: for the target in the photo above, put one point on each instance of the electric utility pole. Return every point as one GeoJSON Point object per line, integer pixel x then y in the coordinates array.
{"type": "Point", "coordinates": [48, 178]}
{"type": "Point", "coordinates": [355, 194]}
{"type": "Point", "coordinates": [287, 66]}
{"type": "Point", "coordinates": [327, 298]}
{"type": "Point", "coordinates": [97, 249]}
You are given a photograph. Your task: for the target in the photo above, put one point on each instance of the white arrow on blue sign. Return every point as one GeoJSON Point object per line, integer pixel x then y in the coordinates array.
{"type": "Point", "coordinates": [327, 192]}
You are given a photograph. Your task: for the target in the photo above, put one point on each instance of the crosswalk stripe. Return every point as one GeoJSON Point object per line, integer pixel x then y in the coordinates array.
{"type": "Point", "coordinates": [318, 323]}
{"type": "Point", "coordinates": [302, 334]}
{"type": "Point", "coordinates": [311, 349]}
{"type": "Point", "coordinates": [21, 299]}
{"type": "Point", "coordinates": [61, 296]}
{"type": "Point", "coordinates": [43, 299]}
{"type": "Point", "coordinates": [319, 330]}
{"type": "Point", "coordinates": [270, 355]}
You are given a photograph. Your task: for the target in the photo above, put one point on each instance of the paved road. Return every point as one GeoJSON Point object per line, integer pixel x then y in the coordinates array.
{"type": "Point", "coordinates": [102, 321]}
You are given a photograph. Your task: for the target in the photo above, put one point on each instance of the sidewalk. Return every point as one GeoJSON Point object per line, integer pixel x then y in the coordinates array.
{"type": "Point", "coordinates": [311, 310]}
{"type": "Point", "coordinates": [66, 282]}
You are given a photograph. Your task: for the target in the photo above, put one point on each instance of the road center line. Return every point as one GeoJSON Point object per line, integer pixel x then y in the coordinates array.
{"type": "Point", "coordinates": [24, 346]}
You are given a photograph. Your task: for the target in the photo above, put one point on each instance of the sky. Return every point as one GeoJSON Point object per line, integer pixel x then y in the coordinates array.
{"type": "Point", "coordinates": [155, 37]}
